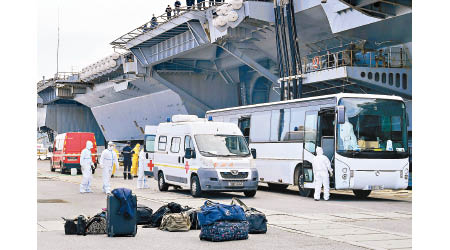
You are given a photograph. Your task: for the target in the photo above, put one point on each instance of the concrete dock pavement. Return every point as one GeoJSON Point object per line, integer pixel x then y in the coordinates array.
{"type": "Point", "coordinates": [381, 222]}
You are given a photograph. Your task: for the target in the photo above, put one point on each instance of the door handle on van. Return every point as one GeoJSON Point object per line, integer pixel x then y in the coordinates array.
{"type": "Point", "coordinates": [182, 159]}
{"type": "Point", "coordinates": [179, 159]}
{"type": "Point", "coordinates": [146, 156]}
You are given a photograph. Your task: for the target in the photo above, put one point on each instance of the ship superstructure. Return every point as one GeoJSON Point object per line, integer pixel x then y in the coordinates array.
{"type": "Point", "coordinates": [229, 55]}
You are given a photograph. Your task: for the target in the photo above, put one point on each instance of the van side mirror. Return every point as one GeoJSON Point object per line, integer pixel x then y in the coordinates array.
{"type": "Point", "coordinates": [340, 114]}
{"type": "Point", "coordinates": [253, 153]}
{"type": "Point", "coordinates": [50, 149]}
{"type": "Point", "coordinates": [189, 153]}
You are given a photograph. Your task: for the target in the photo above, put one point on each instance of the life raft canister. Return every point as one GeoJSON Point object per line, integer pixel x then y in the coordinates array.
{"type": "Point", "coordinates": [315, 62]}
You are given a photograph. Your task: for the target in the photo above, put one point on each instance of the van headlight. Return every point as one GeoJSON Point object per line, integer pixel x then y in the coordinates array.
{"type": "Point", "coordinates": [344, 176]}
{"type": "Point", "coordinates": [344, 170]}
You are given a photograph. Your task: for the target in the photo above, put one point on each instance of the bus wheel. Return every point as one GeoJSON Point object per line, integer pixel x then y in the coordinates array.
{"type": "Point", "coordinates": [162, 185]}
{"type": "Point", "coordinates": [250, 193]}
{"type": "Point", "coordinates": [51, 166]}
{"type": "Point", "coordinates": [196, 189]}
{"type": "Point", "coordinates": [277, 187]}
{"type": "Point", "coordinates": [362, 194]}
{"type": "Point", "coordinates": [305, 192]}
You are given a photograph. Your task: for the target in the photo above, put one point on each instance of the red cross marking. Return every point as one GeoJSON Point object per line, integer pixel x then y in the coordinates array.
{"type": "Point", "coordinates": [186, 167]}
{"type": "Point", "coordinates": [150, 165]}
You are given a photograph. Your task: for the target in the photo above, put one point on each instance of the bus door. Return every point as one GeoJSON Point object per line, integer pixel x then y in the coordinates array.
{"type": "Point", "coordinates": [325, 135]}
{"type": "Point", "coordinates": [309, 149]}
{"type": "Point", "coordinates": [244, 126]}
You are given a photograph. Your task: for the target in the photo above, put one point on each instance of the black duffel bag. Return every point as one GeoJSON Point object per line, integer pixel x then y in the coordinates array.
{"type": "Point", "coordinates": [75, 226]}
{"type": "Point", "coordinates": [256, 219]}
{"type": "Point", "coordinates": [144, 215]}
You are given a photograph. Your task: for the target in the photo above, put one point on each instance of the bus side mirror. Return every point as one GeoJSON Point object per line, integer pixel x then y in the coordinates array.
{"type": "Point", "coordinates": [340, 114]}
{"type": "Point", "coordinates": [253, 153]}
{"type": "Point", "coordinates": [189, 154]}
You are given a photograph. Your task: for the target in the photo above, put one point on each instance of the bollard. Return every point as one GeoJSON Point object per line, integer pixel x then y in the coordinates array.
{"type": "Point", "coordinates": [73, 171]}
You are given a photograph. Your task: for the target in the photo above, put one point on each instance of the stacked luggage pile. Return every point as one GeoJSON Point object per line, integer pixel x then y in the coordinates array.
{"type": "Point", "coordinates": [216, 221]}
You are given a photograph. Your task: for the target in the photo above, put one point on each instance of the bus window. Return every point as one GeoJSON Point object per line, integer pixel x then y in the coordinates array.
{"type": "Point", "coordinates": [260, 127]}
{"type": "Point", "coordinates": [310, 131]}
{"type": "Point", "coordinates": [296, 124]}
{"type": "Point", "coordinates": [285, 119]}
{"type": "Point", "coordinates": [274, 125]}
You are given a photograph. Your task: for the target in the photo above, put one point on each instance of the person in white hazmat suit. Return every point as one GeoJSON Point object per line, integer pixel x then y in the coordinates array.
{"type": "Point", "coordinates": [86, 170]}
{"type": "Point", "coordinates": [347, 136]}
{"type": "Point", "coordinates": [321, 166]}
{"type": "Point", "coordinates": [107, 161]}
{"type": "Point", "coordinates": [142, 181]}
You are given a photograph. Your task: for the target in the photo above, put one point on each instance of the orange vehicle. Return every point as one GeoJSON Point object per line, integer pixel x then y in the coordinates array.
{"type": "Point", "coordinates": [67, 149]}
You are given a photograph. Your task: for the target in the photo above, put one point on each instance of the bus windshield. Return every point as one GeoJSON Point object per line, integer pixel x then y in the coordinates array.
{"type": "Point", "coordinates": [372, 125]}
{"type": "Point", "coordinates": [222, 145]}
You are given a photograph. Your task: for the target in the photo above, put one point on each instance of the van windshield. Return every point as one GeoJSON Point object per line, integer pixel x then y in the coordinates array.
{"type": "Point", "coordinates": [222, 145]}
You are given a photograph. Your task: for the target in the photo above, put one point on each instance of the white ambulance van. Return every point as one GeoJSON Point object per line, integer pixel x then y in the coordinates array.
{"type": "Point", "coordinates": [201, 155]}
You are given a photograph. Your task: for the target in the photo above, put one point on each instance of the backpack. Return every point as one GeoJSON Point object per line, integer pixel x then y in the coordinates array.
{"type": "Point", "coordinates": [174, 207]}
{"type": "Point", "coordinates": [175, 222]}
{"type": "Point", "coordinates": [193, 217]}
{"type": "Point", "coordinates": [155, 219]}
{"type": "Point", "coordinates": [75, 226]}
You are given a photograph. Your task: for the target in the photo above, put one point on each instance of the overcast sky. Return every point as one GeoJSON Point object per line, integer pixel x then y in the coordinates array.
{"type": "Point", "coordinates": [86, 29]}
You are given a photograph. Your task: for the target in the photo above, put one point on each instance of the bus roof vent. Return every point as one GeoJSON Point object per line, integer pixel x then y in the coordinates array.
{"type": "Point", "coordinates": [185, 118]}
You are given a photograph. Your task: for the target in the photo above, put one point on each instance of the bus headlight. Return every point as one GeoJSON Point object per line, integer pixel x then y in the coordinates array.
{"type": "Point", "coordinates": [344, 176]}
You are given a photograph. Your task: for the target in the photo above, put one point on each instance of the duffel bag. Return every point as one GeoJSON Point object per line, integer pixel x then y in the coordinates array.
{"type": "Point", "coordinates": [175, 222]}
{"type": "Point", "coordinates": [257, 221]}
{"type": "Point", "coordinates": [211, 212]}
{"type": "Point", "coordinates": [97, 224]}
{"type": "Point", "coordinates": [156, 218]}
{"type": "Point", "coordinates": [224, 231]}
{"type": "Point", "coordinates": [144, 215]}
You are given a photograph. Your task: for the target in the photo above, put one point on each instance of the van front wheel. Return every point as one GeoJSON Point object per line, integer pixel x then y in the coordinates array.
{"type": "Point", "coordinates": [196, 189]}
{"type": "Point", "coordinates": [162, 185]}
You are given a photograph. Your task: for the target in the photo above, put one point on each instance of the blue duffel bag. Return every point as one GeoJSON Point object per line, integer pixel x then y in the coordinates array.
{"type": "Point", "coordinates": [211, 212]}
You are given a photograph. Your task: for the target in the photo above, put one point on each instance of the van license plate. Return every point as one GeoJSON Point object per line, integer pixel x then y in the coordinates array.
{"type": "Point", "coordinates": [72, 158]}
{"type": "Point", "coordinates": [376, 187]}
{"type": "Point", "coordinates": [235, 183]}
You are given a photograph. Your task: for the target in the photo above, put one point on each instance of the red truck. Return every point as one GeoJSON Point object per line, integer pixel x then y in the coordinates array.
{"type": "Point", "coordinates": [67, 149]}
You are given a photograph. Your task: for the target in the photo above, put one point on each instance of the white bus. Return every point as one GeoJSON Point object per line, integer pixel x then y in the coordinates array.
{"type": "Point", "coordinates": [364, 136]}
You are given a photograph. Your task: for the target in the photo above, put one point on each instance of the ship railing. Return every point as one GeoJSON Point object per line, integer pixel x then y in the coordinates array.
{"type": "Point", "coordinates": [161, 19]}
{"type": "Point", "coordinates": [389, 58]}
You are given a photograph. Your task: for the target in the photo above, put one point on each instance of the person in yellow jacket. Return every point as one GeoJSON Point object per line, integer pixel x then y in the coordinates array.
{"type": "Point", "coordinates": [135, 160]}
{"type": "Point", "coordinates": [115, 167]}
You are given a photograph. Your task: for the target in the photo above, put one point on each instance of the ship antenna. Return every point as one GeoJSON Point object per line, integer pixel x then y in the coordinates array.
{"type": "Point", "coordinates": [57, 48]}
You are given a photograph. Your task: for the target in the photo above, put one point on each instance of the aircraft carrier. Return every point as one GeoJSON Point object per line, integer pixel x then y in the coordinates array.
{"type": "Point", "coordinates": [232, 54]}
